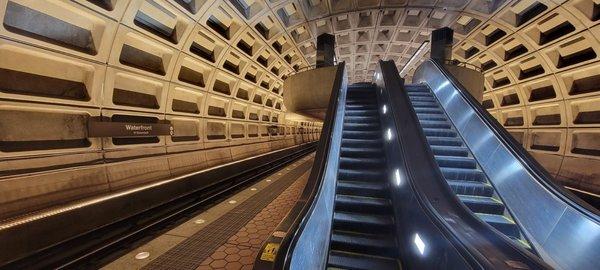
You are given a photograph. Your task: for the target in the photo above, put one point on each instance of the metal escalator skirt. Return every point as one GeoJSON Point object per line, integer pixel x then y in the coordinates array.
{"type": "Point", "coordinates": [565, 237]}
{"type": "Point", "coordinates": [311, 249]}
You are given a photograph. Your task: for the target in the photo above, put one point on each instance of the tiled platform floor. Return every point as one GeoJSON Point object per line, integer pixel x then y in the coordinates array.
{"type": "Point", "coordinates": [241, 249]}
{"type": "Point", "coordinates": [228, 235]}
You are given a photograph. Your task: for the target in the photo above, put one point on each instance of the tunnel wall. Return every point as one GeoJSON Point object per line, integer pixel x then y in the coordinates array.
{"type": "Point", "coordinates": [211, 67]}
{"type": "Point", "coordinates": [201, 65]}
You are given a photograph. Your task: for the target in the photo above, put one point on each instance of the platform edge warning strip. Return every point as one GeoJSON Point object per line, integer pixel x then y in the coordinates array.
{"type": "Point", "coordinates": [190, 253]}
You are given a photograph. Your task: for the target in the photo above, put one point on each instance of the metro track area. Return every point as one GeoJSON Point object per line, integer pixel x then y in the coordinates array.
{"type": "Point", "coordinates": [99, 247]}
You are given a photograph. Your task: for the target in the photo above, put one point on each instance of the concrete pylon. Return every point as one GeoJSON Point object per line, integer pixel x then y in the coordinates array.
{"type": "Point", "coordinates": [441, 44]}
{"type": "Point", "coordinates": [325, 50]}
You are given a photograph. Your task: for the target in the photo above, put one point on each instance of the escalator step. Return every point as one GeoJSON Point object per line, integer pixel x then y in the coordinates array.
{"type": "Point", "coordinates": [379, 245]}
{"type": "Point", "coordinates": [358, 175]}
{"type": "Point", "coordinates": [361, 90]}
{"type": "Point", "coordinates": [486, 205]}
{"type": "Point", "coordinates": [362, 112]}
{"type": "Point", "coordinates": [361, 101]}
{"type": "Point", "coordinates": [440, 150]}
{"type": "Point", "coordinates": [361, 119]}
{"type": "Point", "coordinates": [356, 134]}
{"type": "Point", "coordinates": [438, 132]}
{"type": "Point", "coordinates": [360, 188]}
{"type": "Point", "coordinates": [367, 91]}
{"type": "Point", "coordinates": [441, 141]}
{"type": "Point", "coordinates": [463, 174]}
{"type": "Point", "coordinates": [422, 98]}
{"type": "Point", "coordinates": [360, 151]}
{"type": "Point", "coordinates": [425, 104]}
{"type": "Point", "coordinates": [429, 110]}
{"type": "Point", "coordinates": [362, 126]}
{"type": "Point", "coordinates": [416, 88]}
{"type": "Point", "coordinates": [434, 124]}
{"type": "Point", "coordinates": [432, 117]}
{"type": "Point", "coordinates": [502, 224]}
{"type": "Point", "coordinates": [420, 94]}
{"type": "Point", "coordinates": [362, 143]}
{"type": "Point", "coordinates": [361, 85]}
{"type": "Point", "coordinates": [347, 260]}
{"type": "Point", "coordinates": [456, 162]}
{"type": "Point", "coordinates": [471, 188]}
{"type": "Point", "coordinates": [362, 162]}
{"type": "Point", "coordinates": [362, 204]}
{"type": "Point", "coordinates": [361, 107]}
{"type": "Point", "coordinates": [362, 223]}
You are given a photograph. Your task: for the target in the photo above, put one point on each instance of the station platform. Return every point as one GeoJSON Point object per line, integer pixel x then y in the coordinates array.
{"type": "Point", "coordinates": [226, 235]}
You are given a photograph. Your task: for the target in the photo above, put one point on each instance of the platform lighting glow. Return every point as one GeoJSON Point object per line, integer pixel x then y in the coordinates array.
{"type": "Point", "coordinates": [142, 255]}
{"type": "Point", "coordinates": [414, 58]}
{"type": "Point", "coordinates": [397, 177]}
{"type": "Point", "coordinates": [420, 244]}
{"type": "Point", "coordinates": [384, 109]}
{"type": "Point", "coordinates": [442, 85]}
{"type": "Point", "coordinates": [388, 134]}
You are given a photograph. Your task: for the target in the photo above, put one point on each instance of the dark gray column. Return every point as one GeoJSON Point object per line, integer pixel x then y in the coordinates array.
{"type": "Point", "coordinates": [325, 50]}
{"type": "Point", "coordinates": [441, 44]}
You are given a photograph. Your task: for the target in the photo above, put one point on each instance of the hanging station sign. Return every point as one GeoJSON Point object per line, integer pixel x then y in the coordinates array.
{"type": "Point", "coordinates": [103, 127]}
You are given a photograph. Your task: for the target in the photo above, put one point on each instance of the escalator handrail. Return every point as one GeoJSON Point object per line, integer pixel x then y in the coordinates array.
{"type": "Point", "coordinates": [315, 179]}
{"type": "Point", "coordinates": [528, 162]}
{"type": "Point", "coordinates": [435, 196]}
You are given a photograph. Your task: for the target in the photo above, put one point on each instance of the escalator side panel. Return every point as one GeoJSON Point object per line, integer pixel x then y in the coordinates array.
{"type": "Point", "coordinates": [306, 243]}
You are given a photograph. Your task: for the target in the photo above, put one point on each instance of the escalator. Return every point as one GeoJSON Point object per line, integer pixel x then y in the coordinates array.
{"type": "Point", "coordinates": [422, 177]}
{"type": "Point", "coordinates": [459, 168]}
{"type": "Point", "coordinates": [363, 229]}
{"type": "Point", "coordinates": [375, 198]}
{"type": "Point", "coordinates": [496, 178]}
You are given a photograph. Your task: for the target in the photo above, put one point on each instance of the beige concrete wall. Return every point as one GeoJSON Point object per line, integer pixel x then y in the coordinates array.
{"type": "Point", "coordinates": [541, 82]}
{"type": "Point", "coordinates": [471, 79]}
{"type": "Point", "coordinates": [308, 92]}
{"type": "Point", "coordinates": [208, 61]}
{"type": "Point", "coordinates": [219, 84]}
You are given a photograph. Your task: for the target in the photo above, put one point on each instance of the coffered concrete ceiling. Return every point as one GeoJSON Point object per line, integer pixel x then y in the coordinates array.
{"type": "Point", "coordinates": [369, 30]}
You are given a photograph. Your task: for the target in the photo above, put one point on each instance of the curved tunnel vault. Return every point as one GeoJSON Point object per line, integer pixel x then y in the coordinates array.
{"type": "Point", "coordinates": [215, 70]}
